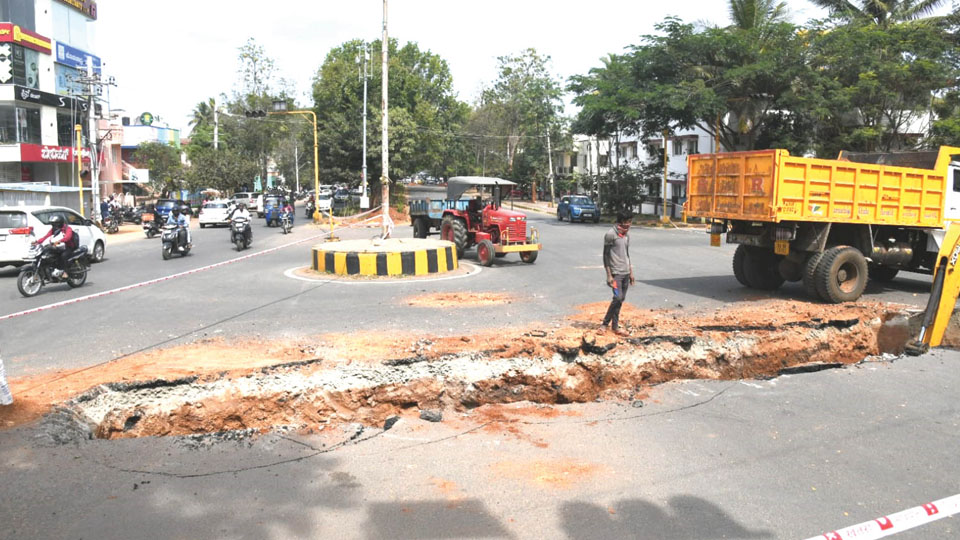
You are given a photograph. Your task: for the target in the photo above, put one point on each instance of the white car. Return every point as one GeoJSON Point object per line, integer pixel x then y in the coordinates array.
{"type": "Point", "coordinates": [214, 213]}
{"type": "Point", "coordinates": [324, 201]}
{"type": "Point", "coordinates": [21, 225]}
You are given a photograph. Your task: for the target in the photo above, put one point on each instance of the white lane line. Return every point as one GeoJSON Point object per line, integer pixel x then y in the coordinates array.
{"type": "Point", "coordinates": [158, 280]}
{"type": "Point", "coordinates": [896, 523]}
{"type": "Point", "coordinates": [475, 270]}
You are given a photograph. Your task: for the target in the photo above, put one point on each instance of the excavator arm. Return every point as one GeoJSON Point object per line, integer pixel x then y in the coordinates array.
{"type": "Point", "coordinates": [943, 295]}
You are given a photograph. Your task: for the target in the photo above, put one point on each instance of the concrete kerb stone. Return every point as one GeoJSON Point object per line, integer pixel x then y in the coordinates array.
{"type": "Point", "coordinates": [390, 257]}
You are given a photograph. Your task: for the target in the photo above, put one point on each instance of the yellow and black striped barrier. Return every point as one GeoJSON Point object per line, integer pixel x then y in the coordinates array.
{"type": "Point", "coordinates": [393, 257]}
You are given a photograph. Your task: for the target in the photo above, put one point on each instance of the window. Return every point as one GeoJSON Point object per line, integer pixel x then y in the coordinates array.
{"type": "Point", "coordinates": [12, 220]}
{"type": "Point", "coordinates": [956, 179]}
{"type": "Point", "coordinates": [677, 147]}
{"type": "Point", "coordinates": [72, 27]}
{"type": "Point", "coordinates": [8, 125]}
{"type": "Point", "coordinates": [44, 216]}
{"type": "Point", "coordinates": [19, 12]}
{"type": "Point", "coordinates": [73, 219]}
{"type": "Point", "coordinates": [693, 146]}
{"type": "Point", "coordinates": [28, 125]}
{"type": "Point", "coordinates": [573, 160]}
{"type": "Point", "coordinates": [65, 129]}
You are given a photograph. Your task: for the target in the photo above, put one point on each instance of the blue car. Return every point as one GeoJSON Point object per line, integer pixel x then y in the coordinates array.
{"type": "Point", "coordinates": [577, 208]}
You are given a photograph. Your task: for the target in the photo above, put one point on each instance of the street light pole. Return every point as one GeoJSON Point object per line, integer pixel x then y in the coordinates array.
{"type": "Point", "coordinates": [385, 137]}
{"type": "Point", "coordinates": [365, 75]}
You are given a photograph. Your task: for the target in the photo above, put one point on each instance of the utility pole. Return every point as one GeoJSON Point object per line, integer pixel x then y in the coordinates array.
{"type": "Point", "coordinates": [553, 195]}
{"type": "Point", "coordinates": [365, 197]}
{"type": "Point", "coordinates": [296, 164]}
{"type": "Point", "coordinates": [664, 218]}
{"type": "Point", "coordinates": [94, 138]}
{"type": "Point", "coordinates": [385, 137]}
{"type": "Point", "coordinates": [216, 125]}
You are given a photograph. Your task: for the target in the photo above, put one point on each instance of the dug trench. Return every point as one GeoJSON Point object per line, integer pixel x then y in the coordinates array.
{"type": "Point", "coordinates": [363, 379]}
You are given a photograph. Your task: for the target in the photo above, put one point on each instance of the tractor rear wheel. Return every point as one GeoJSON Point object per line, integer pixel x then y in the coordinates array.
{"type": "Point", "coordinates": [841, 275]}
{"type": "Point", "coordinates": [485, 252]}
{"type": "Point", "coordinates": [454, 230]}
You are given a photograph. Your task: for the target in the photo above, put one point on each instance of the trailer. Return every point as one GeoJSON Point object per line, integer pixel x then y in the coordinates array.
{"type": "Point", "coordinates": [830, 223]}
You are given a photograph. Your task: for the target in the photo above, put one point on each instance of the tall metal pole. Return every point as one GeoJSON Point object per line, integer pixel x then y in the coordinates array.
{"type": "Point", "coordinates": [553, 195]}
{"type": "Point", "coordinates": [216, 126]}
{"type": "Point", "coordinates": [385, 138]}
{"type": "Point", "coordinates": [664, 218]}
{"type": "Point", "coordinates": [366, 58]}
{"type": "Point", "coordinates": [79, 150]}
{"type": "Point", "coordinates": [94, 140]}
{"type": "Point", "coordinates": [296, 164]}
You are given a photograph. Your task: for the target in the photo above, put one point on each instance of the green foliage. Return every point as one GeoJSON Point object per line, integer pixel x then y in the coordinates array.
{"type": "Point", "coordinates": [226, 170]}
{"type": "Point", "coordinates": [424, 113]}
{"type": "Point", "coordinates": [946, 125]}
{"type": "Point", "coordinates": [167, 174]}
{"type": "Point", "coordinates": [880, 12]}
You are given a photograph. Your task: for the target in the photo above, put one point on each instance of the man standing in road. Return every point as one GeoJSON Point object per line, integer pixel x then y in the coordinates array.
{"type": "Point", "coordinates": [616, 262]}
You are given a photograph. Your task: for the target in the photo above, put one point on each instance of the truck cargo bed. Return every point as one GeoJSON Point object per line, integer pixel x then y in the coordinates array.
{"type": "Point", "coordinates": [773, 186]}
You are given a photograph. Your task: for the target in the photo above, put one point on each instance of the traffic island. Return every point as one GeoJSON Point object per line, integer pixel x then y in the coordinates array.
{"type": "Point", "coordinates": [390, 257]}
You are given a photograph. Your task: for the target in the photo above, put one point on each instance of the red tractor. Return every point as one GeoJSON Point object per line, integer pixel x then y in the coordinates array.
{"type": "Point", "coordinates": [478, 221]}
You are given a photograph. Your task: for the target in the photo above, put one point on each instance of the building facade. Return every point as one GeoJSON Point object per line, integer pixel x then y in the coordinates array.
{"type": "Point", "coordinates": [45, 48]}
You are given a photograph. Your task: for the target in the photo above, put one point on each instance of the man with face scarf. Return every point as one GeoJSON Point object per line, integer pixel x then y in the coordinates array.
{"type": "Point", "coordinates": [616, 262]}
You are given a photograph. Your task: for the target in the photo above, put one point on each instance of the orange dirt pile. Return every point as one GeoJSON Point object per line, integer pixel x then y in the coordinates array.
{"type": "Point", "coordinates": [780, 330]}
{"type": "Point", "coordinates": [35, 395]}
{"type": "Point", "coordinates": [552, 474]}
{"type": "Point", "coordinates": [464, 299]}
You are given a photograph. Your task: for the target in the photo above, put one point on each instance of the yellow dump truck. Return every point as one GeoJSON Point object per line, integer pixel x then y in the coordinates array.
{"type": "Point", "coordinates": [829, 223]}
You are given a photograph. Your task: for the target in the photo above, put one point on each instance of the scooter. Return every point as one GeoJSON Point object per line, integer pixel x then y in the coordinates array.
{"type": "Point", "coordinates": [238, 228]}
{"type": "Point", "coordinates": [41, 270]}
{"type": "Point", "coordinates": [111, 224]}
{"type": "Point", "coordinates": [169, 239]}
{"type": "Point", "coordinates": [286, 222]}
{"type": "Point", "coordinates": [151, 224]}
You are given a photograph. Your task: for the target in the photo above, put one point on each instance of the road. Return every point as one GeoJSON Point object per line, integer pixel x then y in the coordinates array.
{"type": "Point", "coordinates": [253, 297]}
{"type": "Point", "coordinates": [789, 457]}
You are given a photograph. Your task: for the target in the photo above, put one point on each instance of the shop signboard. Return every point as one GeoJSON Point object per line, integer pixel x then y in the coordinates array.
{"type": "Point", "coordinates": [76, 58]}
{"type": "Point", "coordinates": [41, 153]}
{"type": "Point", "coordinates": [12, 33]}
{"type": "Point", "coordinates": [32, 95]}
{"type": "Point", "coordinates": [87, 7]}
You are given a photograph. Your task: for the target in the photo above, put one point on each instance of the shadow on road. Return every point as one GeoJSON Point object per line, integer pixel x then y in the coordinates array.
{"type": "Point", "coordinates": [723, 287]}
{"type": "Point", "coordinates": [467, 518]}
{"type": "Point", "coordinates": [687, 517]}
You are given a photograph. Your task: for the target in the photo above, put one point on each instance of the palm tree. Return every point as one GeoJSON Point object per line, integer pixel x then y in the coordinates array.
{"type": "Point", "coordinates": [754, 14]}
{"type": "Point", "coordinates": [881, 12]}
{"type": "Point", "coordinates": [203, 113]}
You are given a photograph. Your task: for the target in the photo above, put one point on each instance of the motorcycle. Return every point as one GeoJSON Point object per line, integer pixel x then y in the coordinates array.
{"type": "Point", "coordinates": [43, 261]}
{"type": "Point", "coordinates": [111, 224]}
{"type": "Point", "coordinates": [133, 214]}
{"type": "Point", "coordinates": [311, 207]}
{"type": "Point", "coordinates": [151, 224]}
{"type": "Point", "coordinates": [286, 222]}
{"type": "Point", "coordinates": [238, 227]}
{"type": "Point", "coordinates": [169, 239]}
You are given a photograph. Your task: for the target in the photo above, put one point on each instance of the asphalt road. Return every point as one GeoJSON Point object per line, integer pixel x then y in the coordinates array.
{"type": "Point", "coordinates": [253, 298]}
{"type": "Point", "coordinates": [784, 458]}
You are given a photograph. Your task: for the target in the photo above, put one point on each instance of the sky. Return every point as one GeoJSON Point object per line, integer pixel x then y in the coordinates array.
{"type": "Point", "coordinates": [168, 56]}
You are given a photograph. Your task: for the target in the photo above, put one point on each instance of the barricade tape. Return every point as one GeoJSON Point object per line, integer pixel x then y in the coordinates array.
{"type": "Point", "coordinates": [896, 523]}
{"type": "Point", "coordinates": [172, 276]}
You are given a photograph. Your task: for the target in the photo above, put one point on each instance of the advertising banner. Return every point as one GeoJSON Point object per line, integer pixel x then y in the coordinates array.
{"type": "Point", "coordinates": [30, 95]}
{"type": "Point", "coordinates": [75, 58]}
{"type": "Point", "coordinates": [87, 7]}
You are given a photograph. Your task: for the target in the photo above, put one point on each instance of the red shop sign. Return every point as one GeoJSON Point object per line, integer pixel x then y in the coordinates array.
{"type": "Point", "coordinates": [43, 153]}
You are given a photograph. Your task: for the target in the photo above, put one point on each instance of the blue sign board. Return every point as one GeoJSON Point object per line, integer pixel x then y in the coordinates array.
{"type": "Point", "coordinates": [73, 57]}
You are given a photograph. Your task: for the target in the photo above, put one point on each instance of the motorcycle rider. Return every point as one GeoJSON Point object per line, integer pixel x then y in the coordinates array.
{"type": "Point", "coordinates": [178, 216]}
{"type": "Point", "coordinates": [62, 238]}
{"type": "Point", "coordinates": [287, 208]}
{"type": "Point", "coordinates": [240, 211]}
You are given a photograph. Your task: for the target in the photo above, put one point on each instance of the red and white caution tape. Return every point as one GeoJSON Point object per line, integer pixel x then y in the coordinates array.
{"type": "Point", "coordinates": [896, 523]}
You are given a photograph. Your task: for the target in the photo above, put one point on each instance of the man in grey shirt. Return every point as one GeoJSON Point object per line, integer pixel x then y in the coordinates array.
{"type": "Point", "coordinates": [616, 262]}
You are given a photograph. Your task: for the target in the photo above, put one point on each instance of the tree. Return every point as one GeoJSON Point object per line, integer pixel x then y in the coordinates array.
{"type": "Point", "coordinates": [166, 172]}
{"type": "Point", "coordinates": [880, 12]}
{"type": "Point", "coordinates": [425, 115]}
{"type": "Point", "coordinates": [224, 169]}
{"type": "Point", "coordinates": [754, 14]}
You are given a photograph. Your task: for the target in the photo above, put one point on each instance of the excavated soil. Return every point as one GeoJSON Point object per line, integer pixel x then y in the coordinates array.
{"type": "Point", "coordinates": [459, 299]}
{"type": "Point", "coordinates": [213, 386]}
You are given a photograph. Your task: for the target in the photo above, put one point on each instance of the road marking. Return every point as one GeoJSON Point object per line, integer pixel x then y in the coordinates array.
{"type": "Point", "coordinates": [751, 385]}
{"type": "Point", "coordinates": [160, 279]}
{"type": "Point", "coordinates": [896, 523]}
{"type": "Point", "coordinates": [290, 274]}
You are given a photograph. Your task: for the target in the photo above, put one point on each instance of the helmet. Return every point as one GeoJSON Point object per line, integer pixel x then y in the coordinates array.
{"type": "Point", "coordinates": [185, 209]}
{"type": "Point", "coordinates": [175, 210]}
{"type": "Point", "coordinates": [56, 222]}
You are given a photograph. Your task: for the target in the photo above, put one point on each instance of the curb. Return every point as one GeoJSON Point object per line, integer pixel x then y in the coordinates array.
{"type": "Point", "coordinates": [409, 263]}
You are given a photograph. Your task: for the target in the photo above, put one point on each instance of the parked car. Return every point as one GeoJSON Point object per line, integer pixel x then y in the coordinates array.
{"type": "Point", "coordinates": [258, 205]}
{"type": "Point", "coordinates": [577, 208]}
{"type": "Point", "coordinates": [21, 225]}
{"type": "Point", "coordinates": [247, 198]}
{"type": "Point", "coordinates": [163, 207]}
{"type": "Point", "coordinates": [325, 200]}
{"type": "Point", "coordinates": [214, 213]}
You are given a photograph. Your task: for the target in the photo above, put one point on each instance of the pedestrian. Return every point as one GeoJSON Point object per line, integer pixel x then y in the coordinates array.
{"type": "Point", "coordinates": [616, 262]}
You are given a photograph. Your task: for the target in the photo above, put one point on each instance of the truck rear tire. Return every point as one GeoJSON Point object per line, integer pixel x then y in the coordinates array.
{"type": "Point", "coordinates": [841, 275]}
{"type": "Point", "coordinates": [883, 273]}
{"type": "Point", "coordinates": [420, 228]}
{"type": "Point", "coordinates": [739, 265]}
{"type": "Point", "coordinates": [810, 275]}
{"type": "Point", "coordinates": [454, 230]}
{"type": "Point", "coordinates": [760, 270]}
